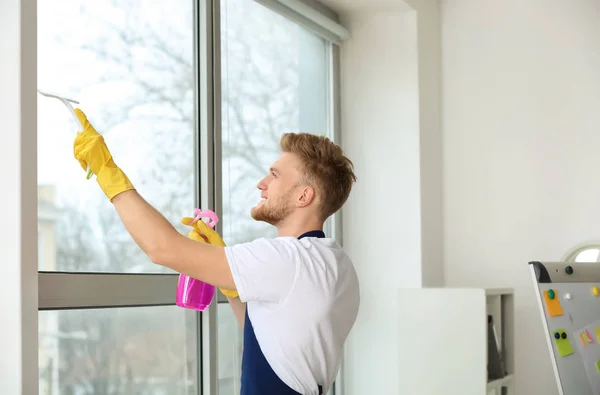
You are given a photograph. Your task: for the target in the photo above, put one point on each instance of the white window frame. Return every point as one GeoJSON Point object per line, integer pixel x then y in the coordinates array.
{"type": "Point", "coordinates": [18, 267]}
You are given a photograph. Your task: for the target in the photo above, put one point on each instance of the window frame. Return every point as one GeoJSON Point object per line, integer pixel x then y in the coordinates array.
{"type": "Point", "coordinates": [18, 284]}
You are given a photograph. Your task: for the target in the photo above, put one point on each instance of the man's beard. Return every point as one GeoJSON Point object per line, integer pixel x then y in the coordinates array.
{"type": "Point", "coordinates": [273, 212]}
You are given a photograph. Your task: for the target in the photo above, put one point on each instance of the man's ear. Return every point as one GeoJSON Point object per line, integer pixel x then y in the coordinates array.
{"type": "Point", "coordinates": [306, 197]}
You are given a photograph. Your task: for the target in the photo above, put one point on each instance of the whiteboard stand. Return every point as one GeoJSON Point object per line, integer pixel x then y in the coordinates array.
{"type": "Point", "coordinates": [568, 296]}
{"type": "Point", "coordinates": [500, 306]}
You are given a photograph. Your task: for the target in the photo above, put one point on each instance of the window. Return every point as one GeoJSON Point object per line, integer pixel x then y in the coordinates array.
{"type": "Point", "coordinates": [275, 79]}
{"type": "Point", "coordinates": [230, 351]}
{"type": "Point", "coordinates": [142, 73]}
{"type": "Point", "coordinates": [130, 63]}
{"type": "Point", "coordinates": [147, 350]}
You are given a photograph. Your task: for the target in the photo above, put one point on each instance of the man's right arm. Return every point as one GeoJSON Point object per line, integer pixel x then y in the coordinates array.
{"type": "Point", "coordinates": [239, 310]}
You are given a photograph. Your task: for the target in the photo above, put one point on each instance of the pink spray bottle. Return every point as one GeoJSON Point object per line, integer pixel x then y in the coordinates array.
{"type": "Point", "coordinates": [192, 293]}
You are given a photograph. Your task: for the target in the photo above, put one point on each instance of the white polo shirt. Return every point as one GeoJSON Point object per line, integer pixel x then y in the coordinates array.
{"type": "Point", "coordinates": [302, 298]}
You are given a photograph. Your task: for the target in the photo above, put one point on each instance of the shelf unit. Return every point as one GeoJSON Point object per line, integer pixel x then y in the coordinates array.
{"type": "Point", "coordinates": [500, 305]}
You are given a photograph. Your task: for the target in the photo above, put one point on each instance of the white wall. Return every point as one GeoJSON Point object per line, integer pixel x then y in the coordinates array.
{"type": "Point", "coordinates": [380, 134]}
{"type": "Point", "coordinates": [521, 131]}
{"type": "Point", "coordinates": [388, 229]}
{"type": "Point", "coordinates": [430, 140]}
{"type": "Point", "coordinates": [18, 199]}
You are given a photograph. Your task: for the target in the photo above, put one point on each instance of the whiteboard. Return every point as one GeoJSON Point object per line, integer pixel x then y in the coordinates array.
{"type": "Point", "coordinates": [568, 298]}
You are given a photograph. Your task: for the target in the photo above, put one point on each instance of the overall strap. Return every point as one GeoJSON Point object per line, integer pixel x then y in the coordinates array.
{"type": "Point", "coordinates": [258, 378]}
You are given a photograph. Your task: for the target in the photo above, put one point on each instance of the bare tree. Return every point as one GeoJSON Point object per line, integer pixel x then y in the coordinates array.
{"type": "Point", "coordinates": [106, 351]}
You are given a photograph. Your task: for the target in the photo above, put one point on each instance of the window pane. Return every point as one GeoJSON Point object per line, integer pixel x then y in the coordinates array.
{"type": "Point", "coordinates": [275, 77]}
{"type": "Point", "coordinates": [230, 351]}
{"type": "Point", "coordinates": [146, 351]}
{"type": "Point", "coordinates": [130, 65]}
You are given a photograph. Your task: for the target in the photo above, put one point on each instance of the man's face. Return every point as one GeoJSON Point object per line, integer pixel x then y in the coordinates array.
{"type": "Point", "coordinates": [278, 190]}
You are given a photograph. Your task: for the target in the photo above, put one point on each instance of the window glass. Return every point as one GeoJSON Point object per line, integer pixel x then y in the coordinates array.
{"type": "Point", "coordinates": [275, 79]}
{"type": "Point", "coordinates": [146, 351]}
{"type": "Point", "coordinates": [230, 351]}
{"type": "Point", "coordinates": [130, 65]}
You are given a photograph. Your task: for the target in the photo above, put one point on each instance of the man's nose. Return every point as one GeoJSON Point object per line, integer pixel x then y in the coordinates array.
{"type": "Point", "coordinates": [262, 184]}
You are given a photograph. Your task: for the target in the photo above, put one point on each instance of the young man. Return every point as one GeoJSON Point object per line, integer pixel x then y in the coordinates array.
{"type": "Point", "coordinates": [296, 296]}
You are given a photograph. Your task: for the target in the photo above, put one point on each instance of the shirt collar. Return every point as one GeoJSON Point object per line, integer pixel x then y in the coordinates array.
{"type": "Point", "coordinates": [313, 233]}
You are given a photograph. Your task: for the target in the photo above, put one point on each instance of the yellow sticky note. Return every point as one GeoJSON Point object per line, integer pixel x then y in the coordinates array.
{"type": "Point", "coordinates": [563, 345]}
{"type": "Point", "coordinates": [553, 304]}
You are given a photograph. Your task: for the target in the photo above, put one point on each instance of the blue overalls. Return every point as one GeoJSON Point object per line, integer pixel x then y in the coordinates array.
{"type": "Point", "coordinates": [258, 378]}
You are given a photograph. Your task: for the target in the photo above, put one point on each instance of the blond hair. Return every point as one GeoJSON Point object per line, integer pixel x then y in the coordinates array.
{"type": "Point", "coordinates": [325, 168]}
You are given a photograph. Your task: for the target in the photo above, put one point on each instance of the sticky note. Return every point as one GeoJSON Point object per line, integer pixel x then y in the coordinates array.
{"type": "Point", "coordinates": [598, 366]}
{"type": "Point", "coordinates": [552, 304]}
{"type": "Point", "coordinates": [563, 345]}
{"type": "Point", "coordinates": [586, 337]}
{"type": "Point", "coordinates": [597, 333]}
{"type": "Point", "coordinates": [590, 338]}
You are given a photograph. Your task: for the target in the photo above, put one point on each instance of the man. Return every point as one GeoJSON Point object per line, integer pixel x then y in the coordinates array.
{"type": "Point", "coordinates": [295, 296]}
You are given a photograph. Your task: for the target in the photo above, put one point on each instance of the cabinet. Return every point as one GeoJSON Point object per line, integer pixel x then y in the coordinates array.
{"type": "Point", "coordinates": [500, 337]}
{"type": "Point", "coordinates": [436, 345]}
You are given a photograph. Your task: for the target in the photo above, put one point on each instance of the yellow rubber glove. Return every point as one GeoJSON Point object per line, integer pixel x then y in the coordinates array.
{"type": "Point", "coordinates": [203, 233]}
{"type": "Point", "coordinates": [91, 150]}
